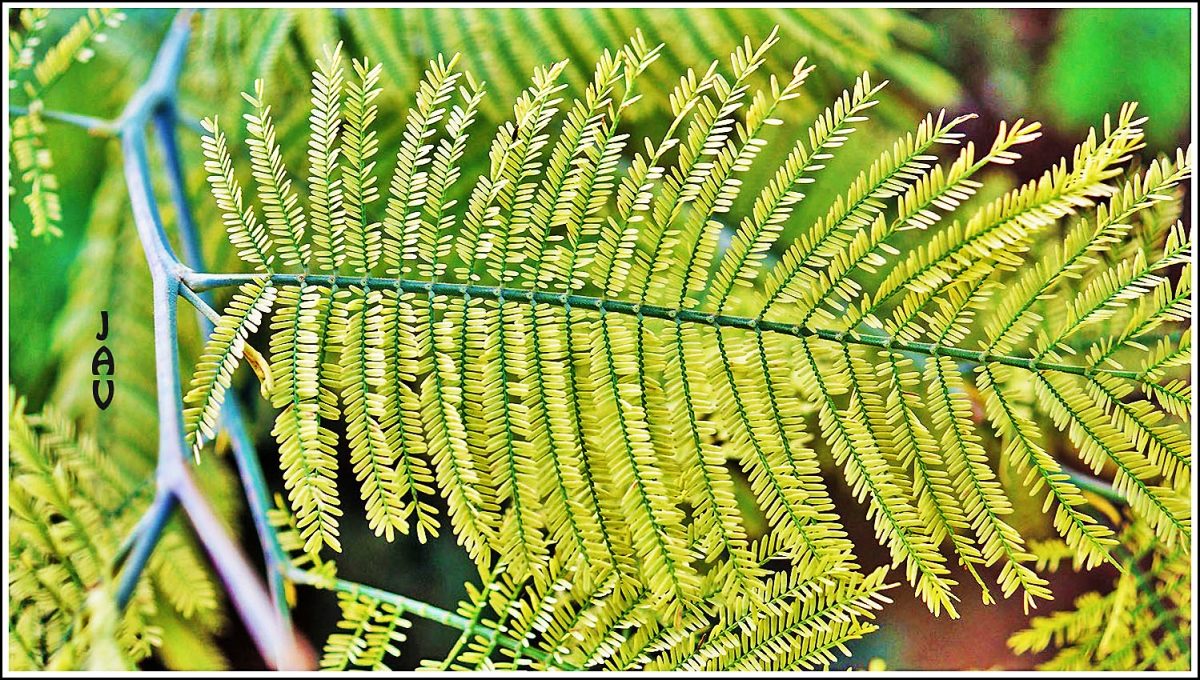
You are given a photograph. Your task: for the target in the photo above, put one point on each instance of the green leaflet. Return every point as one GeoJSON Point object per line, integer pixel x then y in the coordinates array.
{"type": "Point", "coordinates": [304, 381]}
{"type": "Point", "coordinates": [375, 628]}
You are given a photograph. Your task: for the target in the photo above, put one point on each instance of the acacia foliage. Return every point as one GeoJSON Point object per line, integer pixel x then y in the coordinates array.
{"type": "Point", "coordinates": [541, 602]}
{"type": "Point", "coordinates": [585, 355]}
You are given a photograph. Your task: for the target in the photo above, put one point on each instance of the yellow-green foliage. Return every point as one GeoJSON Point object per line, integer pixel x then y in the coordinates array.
{"type": "Point", "coordinates": [583, 355]}
{"type": "Point", "coordinates": [33, 69]}
{"type": "Point", "coordinates": [375, 630]}
{"type": "Point", "coordinates": [504, 45]}
{"type": "Point", "coordinates": [111, 274]}
{"type": "Point", "coordinates": [1143, 623]}
{"type": "Point", "coordinates": [70, 509]}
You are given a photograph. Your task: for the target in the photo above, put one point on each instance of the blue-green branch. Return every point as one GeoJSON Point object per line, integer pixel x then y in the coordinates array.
{"type": "Point", "coordinates": [140, 544]}
{"type": "Point", "coordinates": [1095, 485]}
{"type": "Point", "coordinates": [245, 456]}
{"type": "Point", "coordinates": [153, 101]}
{"type": "Point", "coordinates": [95, 126]}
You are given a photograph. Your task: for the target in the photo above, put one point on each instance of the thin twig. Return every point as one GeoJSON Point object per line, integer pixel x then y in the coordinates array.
{"type": "Point", "coordinates": [206, 311]}
{"type": "Point", "coordinates": [96, 126]}
{"type": "Point", "coordinates": [141, 543]}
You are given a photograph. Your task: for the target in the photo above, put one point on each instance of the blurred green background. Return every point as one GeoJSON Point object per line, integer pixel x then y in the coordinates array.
{"type": "Point", "coordinates": [1064, 67]}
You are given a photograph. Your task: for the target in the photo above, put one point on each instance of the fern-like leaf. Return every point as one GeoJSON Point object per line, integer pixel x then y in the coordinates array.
{"type": "Point", "coordinates": [70, 506]}
{"type": "Point", "coordinates": [559, 358]}
{"type": "Point", "coordinates": [245, 233]}
{"type": "Point", "coordinates": [302, 378]}
{"type": "Point", "coordinates": [284, 218]}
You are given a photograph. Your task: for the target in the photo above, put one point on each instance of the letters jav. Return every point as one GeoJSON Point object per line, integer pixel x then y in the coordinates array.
{"type": "Point", "coordinates": [102, 367]}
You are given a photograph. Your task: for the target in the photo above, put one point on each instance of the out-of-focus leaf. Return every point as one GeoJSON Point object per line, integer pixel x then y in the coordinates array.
{"type": "Point", "coordinates": [106, 653]}
{"type": "Point", "coordinates": [1108, 55]}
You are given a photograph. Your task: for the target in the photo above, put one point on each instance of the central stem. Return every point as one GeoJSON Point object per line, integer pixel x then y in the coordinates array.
{"type": "Point", "coordinates": [201, 281]}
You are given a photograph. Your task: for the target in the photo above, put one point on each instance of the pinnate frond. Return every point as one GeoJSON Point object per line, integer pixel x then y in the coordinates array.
{"type": "Point", "coordinates": [1142, 623]}
{"type": "Point", "coordinates": [34, 163]}
{"type": "Point", "coordinates": [360, 188]}
{"type": "Point", "coordinates": [284, 217]}
{"type": "Point", "coordinates": [302, 379]}
{"type": "Point", "coordinates": [222, 353]}
{"type": "Point", "coordinates": [557, 358]}
{"type": "Point", "coordinates": [409, 186]}
{"type": "Point", "coordinates": [33, 75]}
{"type": "Point", "coordinates": [773, 206]}
{"type": "Point", "coordinates": [325, 192]}
{"type": "Point", "coordinates": [245, 233]}
{"type": "Point", "coordinates": [375, 629]}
